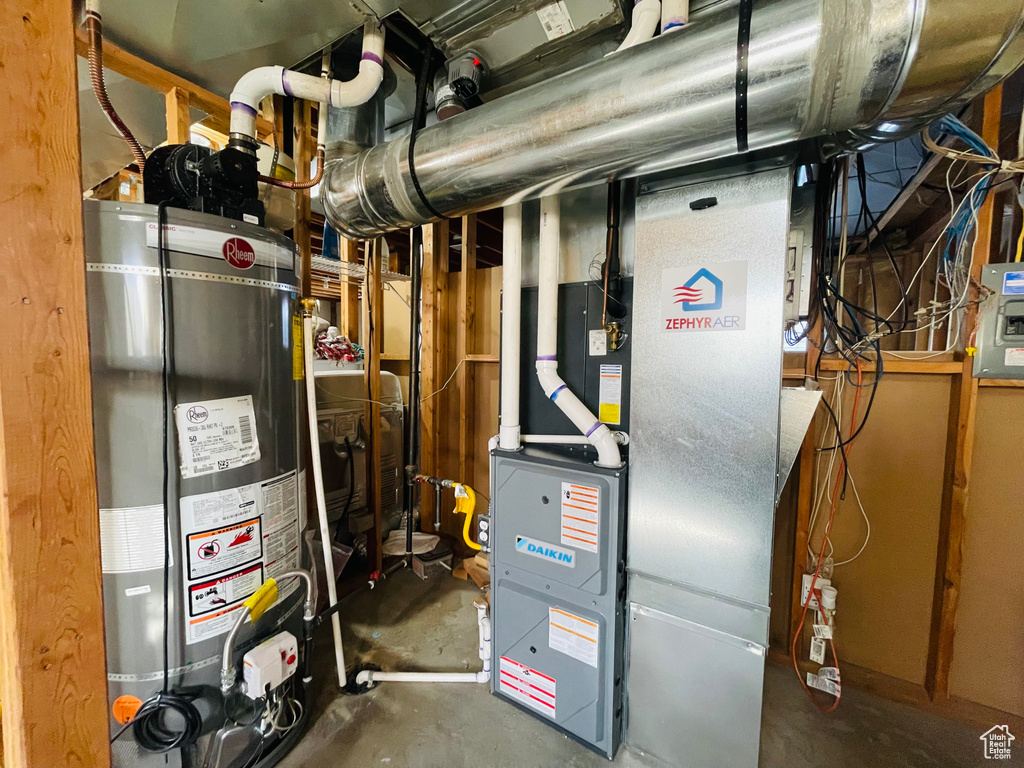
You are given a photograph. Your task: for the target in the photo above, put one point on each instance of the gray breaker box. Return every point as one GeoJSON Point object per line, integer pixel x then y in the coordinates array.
{"type": "Point", "coordinates": [558, 590]}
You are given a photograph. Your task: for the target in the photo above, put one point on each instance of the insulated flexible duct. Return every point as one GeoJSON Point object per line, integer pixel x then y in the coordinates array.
{"type": "Point", "coordinates": [742, 75]}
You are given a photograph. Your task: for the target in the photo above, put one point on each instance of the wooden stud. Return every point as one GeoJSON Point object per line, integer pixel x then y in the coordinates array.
{"type": "Point", "coordinates": [53, 679]}
{"type": "Point", "coordinates": [959, 453]}
{"type": "Point", "coordinates": [373, 291]}
{"type": "Point", "coordinates": [435, 247]}
{"type": "Point", "coordinates": [303, 157]}
{"type": "Point", "coordinates": [349, 290]}
{"type": "Point", "coordinates": [464, 334]}
{"type": "Point", "coordinates": [179, 115]}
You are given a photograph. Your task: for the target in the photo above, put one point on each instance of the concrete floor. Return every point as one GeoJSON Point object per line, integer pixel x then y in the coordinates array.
{"type": "Point", "coordinates": [407, 624]}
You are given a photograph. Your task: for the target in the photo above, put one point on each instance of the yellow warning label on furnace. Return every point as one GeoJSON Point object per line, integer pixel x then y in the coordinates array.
{"type": "Point", "coordinates": [610, 410]}
{"type": "Point", "coordinates": [297, 358]}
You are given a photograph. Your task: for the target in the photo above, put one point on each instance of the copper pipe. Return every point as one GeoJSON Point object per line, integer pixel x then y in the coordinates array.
{"type": "Point", "coordinates": [301, 184]}
{"type": "Point", "coordinates": [95, 29]}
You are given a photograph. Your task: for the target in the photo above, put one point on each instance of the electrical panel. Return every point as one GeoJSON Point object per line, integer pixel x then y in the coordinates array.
{"type": "Point", "coordinates": [558, 591]}
{"type": "Point", "coordinates": [1000, 337]}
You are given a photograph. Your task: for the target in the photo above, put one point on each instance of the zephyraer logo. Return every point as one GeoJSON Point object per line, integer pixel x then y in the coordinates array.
{"type": "Point", "coordinates": [238, 253]}
{"type": "Point", "coordinates": [702, 291]}
{"type": "Point", "coordinates": [705, 298]}
{"type": "Point", "coordinates": [546, 551]}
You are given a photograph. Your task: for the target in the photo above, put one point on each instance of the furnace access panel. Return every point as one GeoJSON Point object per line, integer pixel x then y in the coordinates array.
{"type": "Point", "coordinates": [557, 591]}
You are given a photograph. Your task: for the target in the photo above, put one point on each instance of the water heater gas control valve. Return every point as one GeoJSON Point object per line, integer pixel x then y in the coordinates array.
{"type": "Point", "coordinates": [270, 664]}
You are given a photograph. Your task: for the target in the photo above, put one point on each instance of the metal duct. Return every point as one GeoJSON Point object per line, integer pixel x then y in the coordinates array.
{"type": "Point", "coordinates": [878, 68]}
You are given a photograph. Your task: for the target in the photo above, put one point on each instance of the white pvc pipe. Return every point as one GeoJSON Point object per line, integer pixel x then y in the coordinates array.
{"type": "Point", "coordinates": [675, 14]}
{"type": "Point", "coordinates": [370, 676]}
{"type": "Point", "coordinates": [511, 312]}
{"type": "Point", "coordinates": [647, 15]}
{"type": "Point", "coordinates": [597, 434]}
{"type": "Point", "coordinates": [321, 503]}
{"type": "Point", "coordinates": [258, 83]}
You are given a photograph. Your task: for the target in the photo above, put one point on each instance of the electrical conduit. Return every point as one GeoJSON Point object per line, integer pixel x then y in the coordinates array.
{"type": "Point", "coordinates": [511, 311]}
{"type": "Point", "coordinates": [596, 433]}
{"type": "Point", "coordinates": [318, 483]}
{"type": "Point", "coordinates": [483, 676]}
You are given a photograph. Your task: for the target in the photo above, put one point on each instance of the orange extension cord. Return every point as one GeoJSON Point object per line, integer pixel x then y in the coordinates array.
{"type": "Point", "coordinates": [821, 558]}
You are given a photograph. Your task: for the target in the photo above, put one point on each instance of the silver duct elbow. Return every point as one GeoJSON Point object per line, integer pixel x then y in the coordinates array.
{"type": "Point", "coordinates": [876, 68]}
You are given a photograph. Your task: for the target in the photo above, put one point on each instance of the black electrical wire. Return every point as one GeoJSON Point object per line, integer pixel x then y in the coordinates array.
{"type": "Point", "coordinates": [149, 725]}
{"type": "Point", "coordinates": [419, 120]}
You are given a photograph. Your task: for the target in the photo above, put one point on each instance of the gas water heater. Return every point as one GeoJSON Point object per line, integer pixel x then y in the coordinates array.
{"type": "Point", "coordinates": [208, 352]}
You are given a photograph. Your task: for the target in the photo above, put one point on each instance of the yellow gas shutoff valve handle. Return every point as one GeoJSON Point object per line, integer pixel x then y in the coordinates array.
{"type": "Point", "coordinates": [465, 504]}
{"type": "Point", "coordinates": [262, 599]}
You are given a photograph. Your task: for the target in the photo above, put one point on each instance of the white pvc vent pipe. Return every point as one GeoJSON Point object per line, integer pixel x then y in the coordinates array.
{"type": "Point", "coordinates": [511, 318]}
{"type": "Point", "coordinates": [483, 622]}
{"type": "Point", "coordinates": [321, 502]}
{"type": "Point", "coordinates": [547, 340]}
{"type": "Point", "coordinates": [258, 83]}
{"type": "Point", "coordinates": [647, 14]}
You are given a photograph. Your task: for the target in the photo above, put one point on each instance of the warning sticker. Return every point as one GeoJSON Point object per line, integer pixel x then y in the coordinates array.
{"type": "Point", "coordinates": [218, 594]}
{"type": "Point", "coordinates": [610, 411]}
{"type": "Point", "coordinates": [580, 516]}
{"type": "Point", "coordinates": [527, 686]}
{"type": "Point", "coordinates": [132, 539]}
{"type": "Point", "coordinates": [574, 636]}
{"type": "Point", "coordinates": [556, 20]}
{"type": "Point", "coordinates": [222, 549]}
{"type": "Point", "coordinates": [244, 535]}
{"type": "Point", "coordinates": [1013, 357]}
{"type": "Point", "coordinates": [216, 435]}
{"type": "Point", "coordinates": [298, 354]}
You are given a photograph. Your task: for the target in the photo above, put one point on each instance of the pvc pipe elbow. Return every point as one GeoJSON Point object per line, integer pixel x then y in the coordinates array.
{"type": "Point", "coordinates": [646, 17]}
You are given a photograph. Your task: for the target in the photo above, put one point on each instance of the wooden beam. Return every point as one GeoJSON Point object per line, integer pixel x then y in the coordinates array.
{"type": "Point", "coordinates": [179, 116]}
{"type": "Point", "coordinates": [1008, 383]}
{"type": "Point", "coordinates": [466, 322]}
{"type": "Point", "coordinates": [349, 291]}
{"type": "Point", "coordinates": [119, 60]}
{"type": "Point", "coordinates": [303, 143]}
{"type": "Point", "coordinates": [373, 292]}
{"type": "Point", "coordinates": [891, 365]}
{"type": "Point", "coordinates": [53, 677]}
{"type": "Point", "coordinates": [959, 452]}
{"type": "Point", "coordinates": [483, 359]}
{"type": "Point", "coordinates": [435, 248]}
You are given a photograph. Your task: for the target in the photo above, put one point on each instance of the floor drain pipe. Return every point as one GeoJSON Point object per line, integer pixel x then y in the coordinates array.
{"type": "Point", "coordinates": [597, 434]}
{"type": "Point", "coordinates": [369, 676]}
{"type": "Point", "coordinates": [511, 318]}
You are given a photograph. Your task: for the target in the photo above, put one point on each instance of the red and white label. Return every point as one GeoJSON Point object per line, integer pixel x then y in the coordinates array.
{"type": "Point", "coordinates": [527, 686]}
{"type": "Point", "coordinates": [238, 253]}
{"type": "Point", "coordinates": [581, 519]}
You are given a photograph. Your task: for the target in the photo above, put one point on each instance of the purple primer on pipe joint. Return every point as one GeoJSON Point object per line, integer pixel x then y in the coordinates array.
{"type": "Point", "coordinates": [237, 105]}
{"type": "Point", "coordinates": [592, 429]}
{"type": "Point", "coordinates": [371, 56]}
{"type": "Point", "coordinates": [554, 395]}
{"type": "Point", "coordinates": [547, 357]}
{"type": "Point", "coordinates": [674, 24]}
{"type": "Point", "coordinates": [284, 83]}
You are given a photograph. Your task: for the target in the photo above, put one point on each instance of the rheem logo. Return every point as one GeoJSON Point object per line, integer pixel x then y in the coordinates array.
{"type": "Point", "coordinates": [238, 253]}
{"type": "Point", "coordinates": [704, 298]}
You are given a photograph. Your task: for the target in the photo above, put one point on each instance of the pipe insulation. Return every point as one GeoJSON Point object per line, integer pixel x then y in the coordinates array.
{"type": "Point", "coordinates": [597, 434]}
{"type": "Point", "coordinates": [261, 82]}
{"type": "Point", "coordinates": [864, 70]}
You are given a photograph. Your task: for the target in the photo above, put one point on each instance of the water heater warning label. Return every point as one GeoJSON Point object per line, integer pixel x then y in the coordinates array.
{"type": "Point", "coordinates": [216, 435]}
{"type": "Point", "coordinates": [233, 540]}
{"type": "Point", "coordinates": [581, 519]}
{"type": "Point", "coordinates": [527, 686]}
